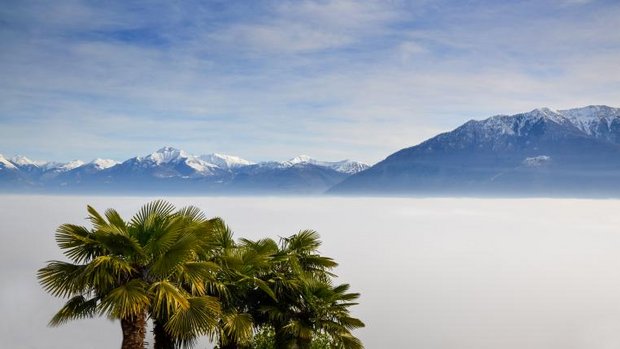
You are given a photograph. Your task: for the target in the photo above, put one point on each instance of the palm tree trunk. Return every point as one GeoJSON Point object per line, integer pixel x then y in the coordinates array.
{"type": "Point", "coordinates": [134, 330]}
{"type": "Point", "coordinates": [162, 339]}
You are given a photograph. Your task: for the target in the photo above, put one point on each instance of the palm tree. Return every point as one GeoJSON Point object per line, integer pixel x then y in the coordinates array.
{"type": "Point", "coordinates": [148, 267]}
{"type": "Point", "coordinates": [306, 302]}
{"type": "Point", "coordinates": [241, 281]}
{"type": "Point", "coordinates": [323, 308]}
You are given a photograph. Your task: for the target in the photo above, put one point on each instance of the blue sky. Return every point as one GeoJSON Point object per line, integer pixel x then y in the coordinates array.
{"type": "Point", "coordinates": [273, 79]}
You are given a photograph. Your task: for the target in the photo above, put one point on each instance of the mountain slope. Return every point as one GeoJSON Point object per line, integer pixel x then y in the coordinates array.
{"type": "Point", "coordinates": [543, 152]}
{"type": "Point", "coordinates": [298, 178]}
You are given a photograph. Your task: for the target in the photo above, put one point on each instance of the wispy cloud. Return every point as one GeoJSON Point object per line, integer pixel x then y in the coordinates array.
{"type": "Point", "coordinates": [268, 80]}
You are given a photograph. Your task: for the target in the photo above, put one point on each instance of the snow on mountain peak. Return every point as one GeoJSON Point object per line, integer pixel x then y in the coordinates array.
{"type": "Point", "coordinates": [167, 149]}
{"type": "Point", "coordinates": [71, 165]}
{"type": "Point", "coordinates": [102, 164]}
{"type": "Point", "coordinates": [587, 119]}
{"type": "Point", "coordinates": [300, 159]}
{"type": "Point", "coordinates": [6, 163]}
{"type": "Point", "coordinates": [21, 160]}
{"type": "Point", "coordinates": [547, 113]}
{"type": "Point", "coordinates": [224, 161]}
{"type": "Point", "coordinates": [590, 119]}
{"type": "Point", "coordinates": [343, 166]}
{"type": "Point", "coordinates": [348, 166]}
{"type": "Point", "coordinates": [167, 154]}
{"type": "Point", "coordinates": [173, 156]}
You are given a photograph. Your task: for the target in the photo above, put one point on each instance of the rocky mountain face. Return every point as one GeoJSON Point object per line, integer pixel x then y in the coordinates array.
{"type": "Point", "coordinates": [544, 152]}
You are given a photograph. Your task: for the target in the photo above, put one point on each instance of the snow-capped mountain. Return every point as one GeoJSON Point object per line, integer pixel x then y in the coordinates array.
{"type": "Point", "coordinates": [102, 164]}
{"type": "Point", "coordinates": [90, 168]}
{"type": "Point", "coordinates": [172, 169]}
{"type": "Point", "coordinates": [43, 168]}
{"type": "Point", "coordinates": [6, 164]}
{"type": "Point", "coordinates": [20, 160]}
{"type": "Point", "coordinates": [541, 152]}
{"type": "Point", "coordinates": [601, 122]}
{"type": "Point", "coordinates": [69, 165]}
{"type": "Point", "coordinates": [9, 174]}
{"type": "Point", "coordinates": [172, 156]}
{"type": "Point", "coordinates": [225, 162]}
{"type": "Point", "coordinates": [166, 162]}
{"type": "Point", "coordinates": [344, 166]}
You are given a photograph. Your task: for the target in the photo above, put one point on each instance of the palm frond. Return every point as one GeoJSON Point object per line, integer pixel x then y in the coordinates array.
{"type": "Point", "coordinates": [238, 326]}
{"type": "Point", "coordinates": [105, 272]}
{"type": "Point", "coordinates": [163, 236]}
{"type": "Point", "coordinates": [62, 279]}
{"type": "Point", "coordinates": [167, 298]}
{"type": "Point", "coordinates": [75, 308]}
{"type": "Point", "coordinates": [77, 243]}
{"type": "Point", "coordinates": [348, 341]}
{"type": "Point", "coordinates": [95, 218]}
{"type": "Point", "coordinates": [222, 235]}
{"type": "Point", "coordinates": [130, 299]}
{"type": "Point", "coordinates": [117, 242]}
{"type": "Point", "coordinates": [199, 318]}
{"type": "Point", "coordinates": [115, 219]}
{"type": "Point", "coordinates": [304, 241]}
{"type": "Point", "coordinates": [192, 212]}
{"type": "Point", "coordinates": [149, 219]}
{"type": "Point", "coordinates": [196, 275]}
{"type": "Point", "coordinates": [154, 208]}
{"type": "Point", "coordinates": [180, 252]}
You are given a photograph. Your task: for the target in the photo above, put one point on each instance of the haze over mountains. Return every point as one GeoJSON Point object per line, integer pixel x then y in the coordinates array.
{"type": "Point", "coordinates": [170, 169]}
{"type": "Point", "coordinates": [544, 152]}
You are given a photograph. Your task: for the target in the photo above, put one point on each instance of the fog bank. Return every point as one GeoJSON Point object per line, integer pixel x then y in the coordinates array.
{"type": "Point", "coordinates": [433, 273]}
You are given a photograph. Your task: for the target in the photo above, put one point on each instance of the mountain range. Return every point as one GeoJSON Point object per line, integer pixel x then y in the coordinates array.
{"type": "Point", "coordinates": [170, 169]}
{"type": "Point", "coordinates": [544, 152]}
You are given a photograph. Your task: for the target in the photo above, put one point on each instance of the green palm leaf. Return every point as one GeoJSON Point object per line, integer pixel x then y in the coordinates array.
{"type": "Point", "coordinates": [167, 298]}
{"type": "Point", "coordinates": [95, 218]}
{"type": "Point", "coordinates": [77, 307]}
{"type": "Point", "coordinates": [104, 272]}
{"type": "Point", "coordinates": [238, 326]}
{"type": "Point", "coordinates": [128, 300]}
{"type": "Point", "coordinates": [77, 243]}
{"type": "Point", "coordinates": [116, 220]}
{"type": "Point", "coordinates": [199, 317]}
{"type": "Point", "coordinates": [62, 279]}
{"type": "Point", "coordinates": [180, 252]}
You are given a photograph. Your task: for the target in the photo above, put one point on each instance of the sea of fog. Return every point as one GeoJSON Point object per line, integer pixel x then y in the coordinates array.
{"type": "Point", "coordinates": [433, 273]}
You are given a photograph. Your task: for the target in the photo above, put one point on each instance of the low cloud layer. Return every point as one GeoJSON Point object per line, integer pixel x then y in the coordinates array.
{"type": "Point", "coordinates": [433, 273]}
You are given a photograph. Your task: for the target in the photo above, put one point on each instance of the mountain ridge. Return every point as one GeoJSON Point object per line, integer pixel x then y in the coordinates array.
{"type": "Point", "coordinates": [174, 169]}
{"type": "Point", "coordinates": [543, 152]}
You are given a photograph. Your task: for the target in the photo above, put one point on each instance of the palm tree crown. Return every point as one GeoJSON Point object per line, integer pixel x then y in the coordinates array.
{"type": "Point", "coordinates": [127, 270]}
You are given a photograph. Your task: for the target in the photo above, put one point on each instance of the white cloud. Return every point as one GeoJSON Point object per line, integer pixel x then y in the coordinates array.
{"type": "Point", "coordinates": [372, 77]}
